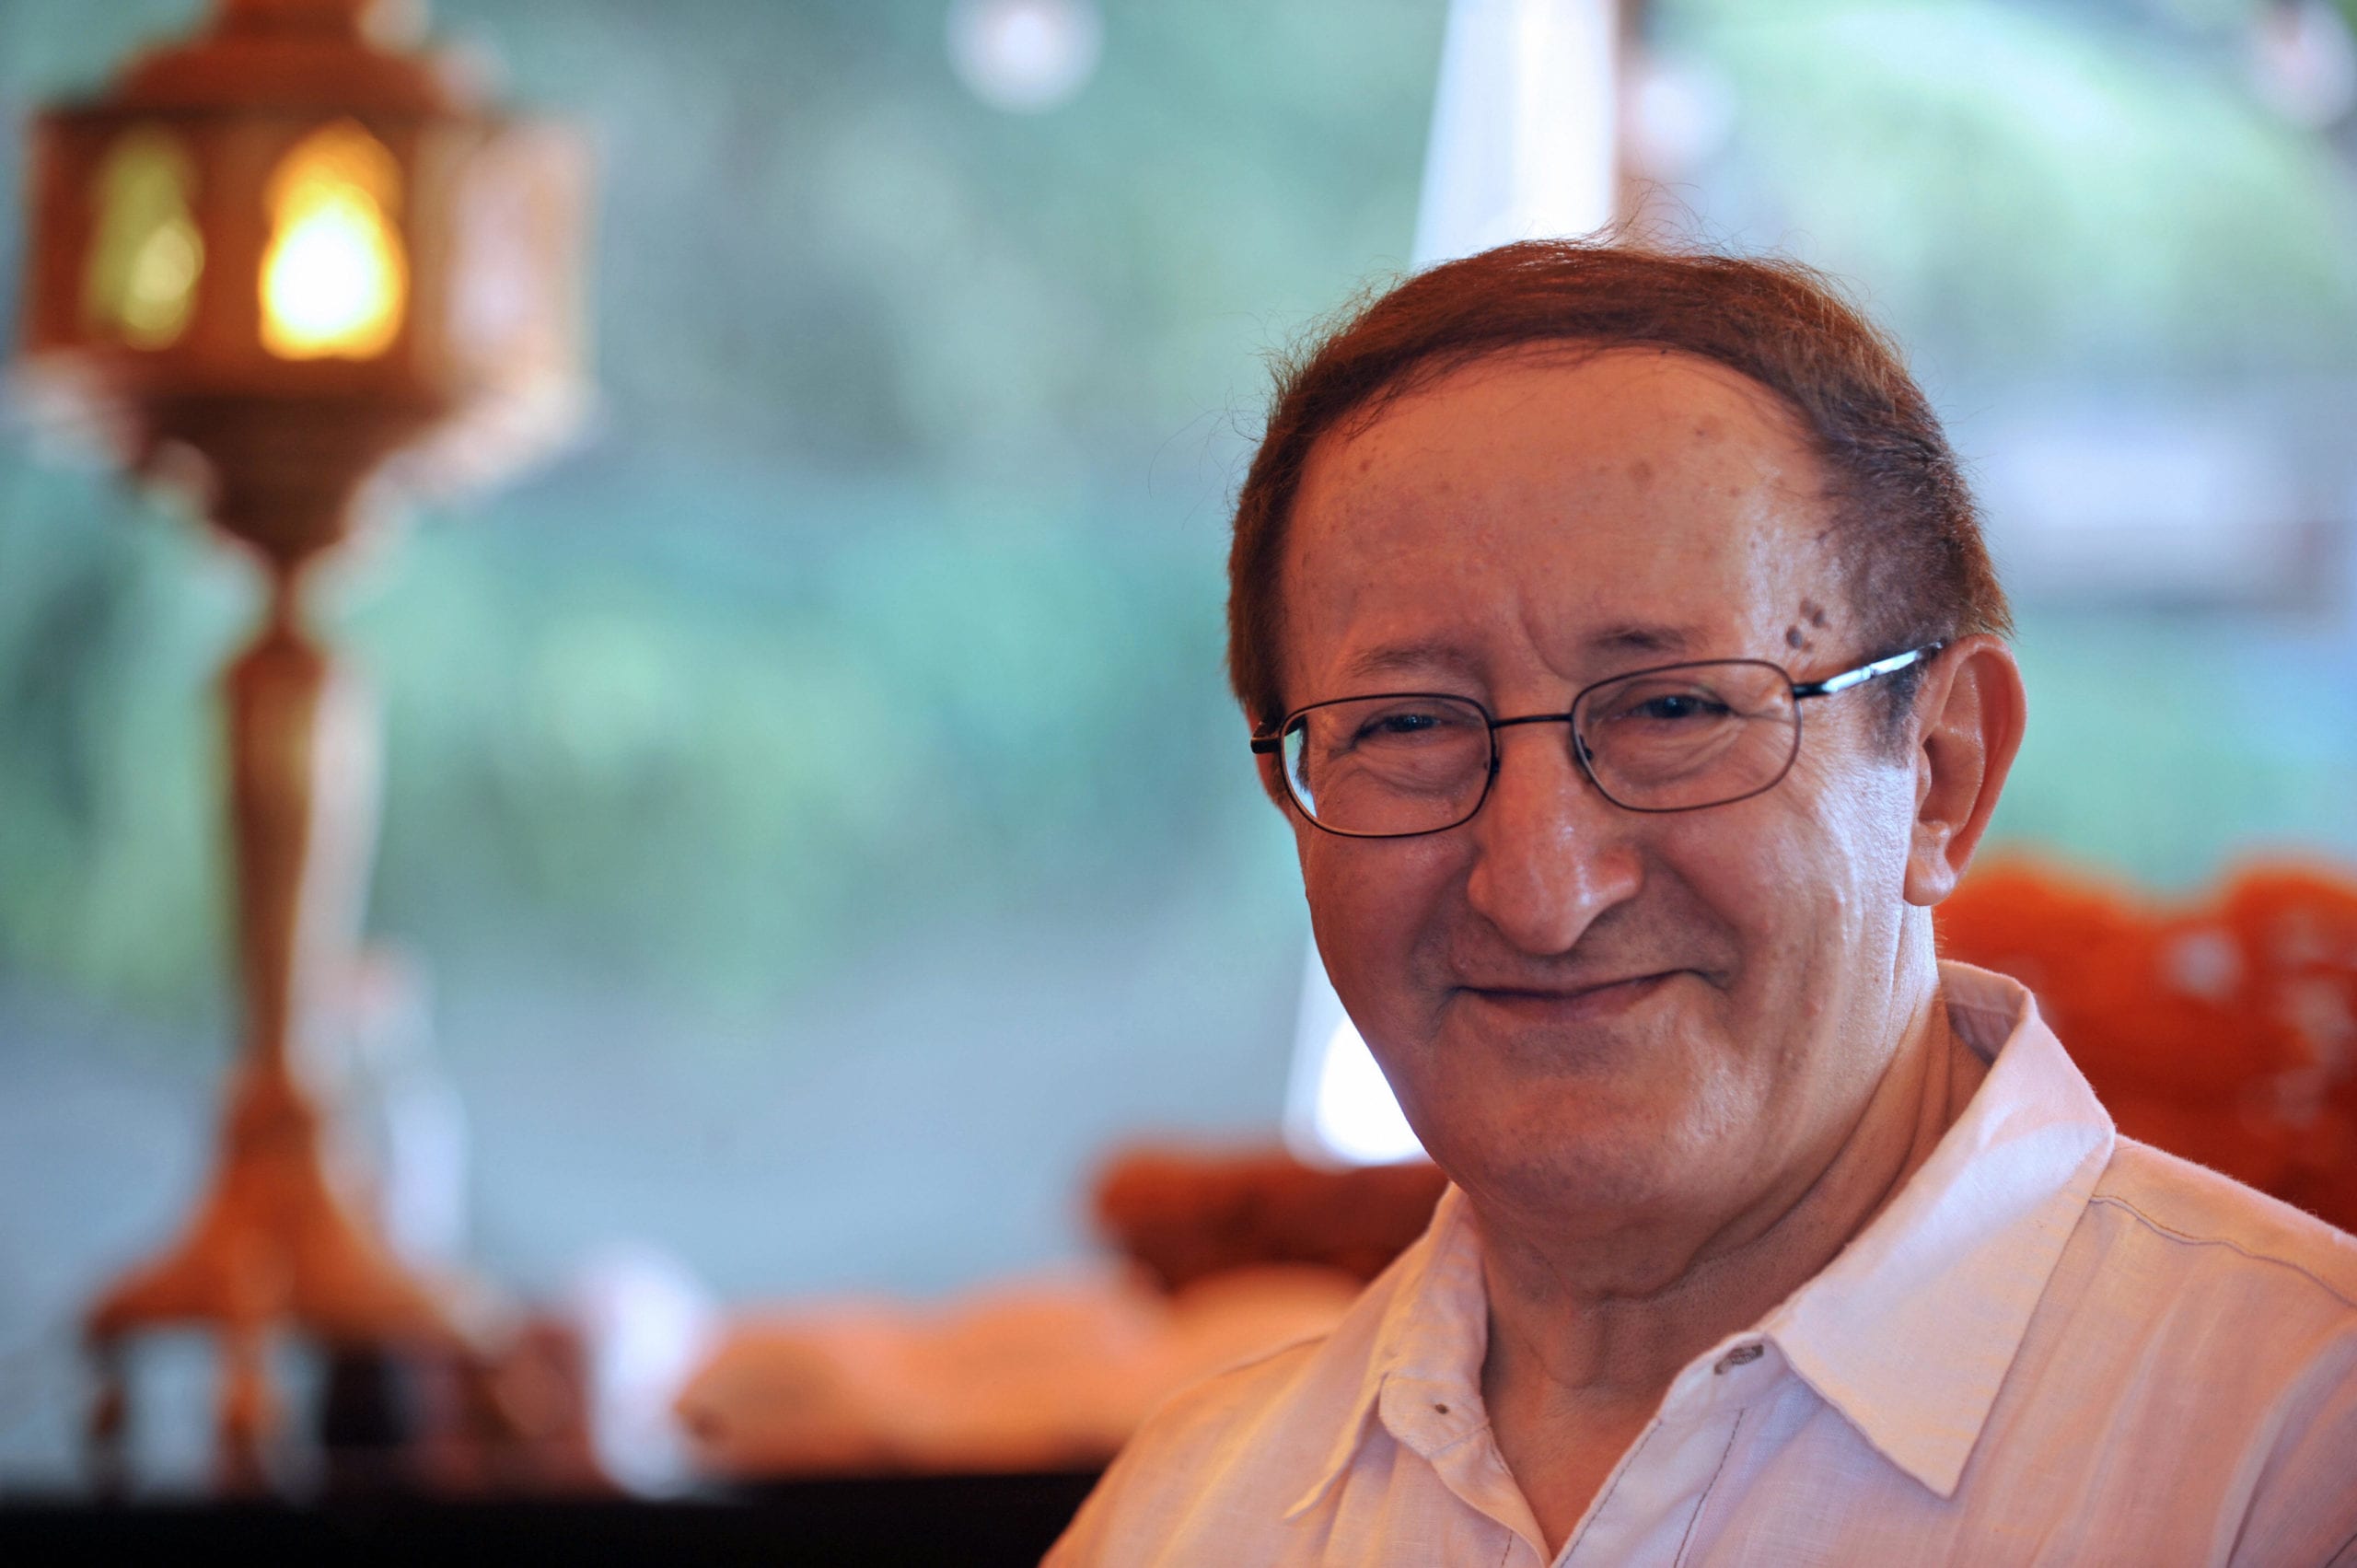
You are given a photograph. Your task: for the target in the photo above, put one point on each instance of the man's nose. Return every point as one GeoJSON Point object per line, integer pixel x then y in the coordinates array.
{"type": "Point", "coordinates": [1551, 854]}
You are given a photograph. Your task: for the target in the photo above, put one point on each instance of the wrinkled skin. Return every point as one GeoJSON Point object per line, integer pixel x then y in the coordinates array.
{"type": "Point", "coordinates": [1602, 1023]}
{"type": "Point", "coordinates": [1675, 1060]}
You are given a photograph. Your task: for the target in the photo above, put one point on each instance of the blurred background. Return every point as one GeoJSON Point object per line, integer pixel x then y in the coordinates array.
{"type": "Point", "coordinates": [816, 832]}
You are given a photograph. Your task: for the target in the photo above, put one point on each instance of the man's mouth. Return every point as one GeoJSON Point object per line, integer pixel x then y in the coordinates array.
{"type": "Point", "coordinates": [1573, 1004]}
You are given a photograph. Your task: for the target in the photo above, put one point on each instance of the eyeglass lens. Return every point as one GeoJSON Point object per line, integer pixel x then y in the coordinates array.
{"type": "Point", "coordinates": [1661, 740]}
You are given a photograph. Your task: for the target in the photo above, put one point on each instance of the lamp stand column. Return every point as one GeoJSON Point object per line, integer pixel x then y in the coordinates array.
{"type": "Point", "coordinates": [273, 1244]}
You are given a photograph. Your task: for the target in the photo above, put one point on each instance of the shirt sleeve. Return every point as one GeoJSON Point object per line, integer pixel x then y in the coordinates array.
{"type": "Point", "coordinates": [2303, 1509]}
{"type": "Point", "coordinates": [1133, 1504]}
{"type": "Point", "coordinates": [1083, 1543]}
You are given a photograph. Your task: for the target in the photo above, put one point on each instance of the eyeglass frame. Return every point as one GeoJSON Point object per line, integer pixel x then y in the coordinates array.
{"type": "Point", "coordinates": [1832, 685]}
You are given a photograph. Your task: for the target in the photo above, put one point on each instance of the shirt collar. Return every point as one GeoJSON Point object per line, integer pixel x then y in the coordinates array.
{"type": "Point", "coordinates": [1909, 1332]}
{"type": "Point", "coordinates": [1432, 1335]}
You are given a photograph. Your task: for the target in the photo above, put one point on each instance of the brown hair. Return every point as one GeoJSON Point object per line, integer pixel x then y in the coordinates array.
{"type": "Point", "coordinates": [1903, 517]}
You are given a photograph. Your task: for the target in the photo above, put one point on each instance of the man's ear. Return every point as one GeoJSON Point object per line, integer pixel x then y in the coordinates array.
{"type": "Point", "coordinates": [1971, 711]}
{"type": "Point", "coordinates": [1265, 766]}
{"type": "Point", "coordinates": [1271, 784]}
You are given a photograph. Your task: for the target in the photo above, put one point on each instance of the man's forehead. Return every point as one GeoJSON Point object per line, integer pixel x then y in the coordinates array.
{"type": "Point", "coordinates": [1642, 504]}
{"type": "Point", "coordinates": [1661, 640]}
{"type": "Point", "coordinates": [1605, 403]}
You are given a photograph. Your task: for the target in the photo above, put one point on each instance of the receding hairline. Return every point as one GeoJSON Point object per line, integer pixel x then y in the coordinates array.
{"type": "Point", "coordinates": [1426, 379]}
{"type": "Point", "coordinates": [1908, 528]}
{"type": "Point", "coordinates": [1430, 374]}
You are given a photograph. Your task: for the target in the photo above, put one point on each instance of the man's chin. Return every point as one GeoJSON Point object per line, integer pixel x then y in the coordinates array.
{"type": "Point", "coordinates": [1610, 1169]}
{"type": "Point", "coordinates": [1619, 1103]}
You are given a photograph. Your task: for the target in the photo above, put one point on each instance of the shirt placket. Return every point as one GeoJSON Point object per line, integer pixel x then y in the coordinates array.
{"type": "Point", "coordinates": [1649, 1504]}
{"type": "Point", "coordinates": [1453, 1436]}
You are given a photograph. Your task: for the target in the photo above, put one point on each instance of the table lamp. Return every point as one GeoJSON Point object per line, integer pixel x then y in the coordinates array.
{"type": "Point", "coordinates": [294, 267]}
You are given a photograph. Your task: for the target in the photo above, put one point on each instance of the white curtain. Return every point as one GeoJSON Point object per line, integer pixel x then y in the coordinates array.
{"type": "Point", "coordinates": [1523, 145]}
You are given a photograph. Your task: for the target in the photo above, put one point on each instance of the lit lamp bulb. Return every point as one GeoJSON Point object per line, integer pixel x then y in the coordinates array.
{"type": "Point", "coordinates": [333, 280]}
{"type": "Point", "coordinates": [148, 251]}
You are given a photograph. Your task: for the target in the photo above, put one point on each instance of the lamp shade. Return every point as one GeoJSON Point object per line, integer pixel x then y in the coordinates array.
{"type": "Point", "coordinates": [281, 231]}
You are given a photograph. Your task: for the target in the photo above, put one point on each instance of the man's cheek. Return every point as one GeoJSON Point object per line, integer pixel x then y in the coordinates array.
{"type": "Point", "coordinates": [1350, 924]}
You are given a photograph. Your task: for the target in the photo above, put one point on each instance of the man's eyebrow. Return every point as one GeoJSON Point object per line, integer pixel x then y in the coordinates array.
{"type": "Point", "coordinates": [1644, 637]}
{"type": "Point", "coordinates": [1392, 659]}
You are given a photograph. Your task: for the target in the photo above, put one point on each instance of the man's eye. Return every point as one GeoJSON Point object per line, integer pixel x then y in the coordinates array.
{"type": "Point", "coordinates": [1404, 726]}
{"type": "Point", "coordinates": [1394, 726]}
{"type": "Point", "coordinates": [1676, 706]}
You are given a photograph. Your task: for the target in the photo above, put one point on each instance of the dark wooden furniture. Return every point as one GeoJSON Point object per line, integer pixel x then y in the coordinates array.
{"type": "Point", "coordinates": [973, 1521]}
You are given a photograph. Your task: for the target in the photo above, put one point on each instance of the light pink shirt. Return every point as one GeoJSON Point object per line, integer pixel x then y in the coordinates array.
{"type": "Point", "coordinates": [2055, 1346]}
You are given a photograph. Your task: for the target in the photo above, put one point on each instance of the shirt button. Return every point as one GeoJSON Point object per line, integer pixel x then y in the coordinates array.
{"type": "Point", "coordinates": [1742, 1355]}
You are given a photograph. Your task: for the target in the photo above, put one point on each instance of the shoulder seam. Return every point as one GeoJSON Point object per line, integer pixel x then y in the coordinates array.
{"type": "Point", "coordinates": [1260, 1358]}
{"type": "Point", "coordinates": [2174, 1234]}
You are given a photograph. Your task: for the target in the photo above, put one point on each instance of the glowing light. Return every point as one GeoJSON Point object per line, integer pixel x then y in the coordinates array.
{"type": "Point", "coordinates": [1338, 1111]}
{"type": "Point", "coordinates": [1358, 1119]}
{"type": "Point", "coordinates": [1023, 56]}
{"type": "Point", "coordinates": [147, 252]}
{"type": "Point", "coordinates": [2303, 61]}
{"type": "Point", "coordinates": [334, 279]}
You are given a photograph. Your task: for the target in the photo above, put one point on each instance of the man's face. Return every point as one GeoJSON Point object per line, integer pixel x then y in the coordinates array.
{"type": "Point", "coordinates": [1631, 1015]}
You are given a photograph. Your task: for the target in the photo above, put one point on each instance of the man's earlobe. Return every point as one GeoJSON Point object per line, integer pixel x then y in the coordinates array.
{"type": "Point", "coordinates": [1973, 711]}
{"type": "Point", "coordinates": [1265, 767]}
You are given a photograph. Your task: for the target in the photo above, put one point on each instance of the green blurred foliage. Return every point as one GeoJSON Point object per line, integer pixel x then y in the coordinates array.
{"type": "Point", "coordinates": [2035, 192]}
{"type": "Point", "coordinates": [884, 594]}
{"type": "Point", "coordinates": [884, 598]}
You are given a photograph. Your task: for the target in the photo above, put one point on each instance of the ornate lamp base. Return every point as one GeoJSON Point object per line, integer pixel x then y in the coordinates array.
{"type": "Point", "coordinates": [272, 1245]}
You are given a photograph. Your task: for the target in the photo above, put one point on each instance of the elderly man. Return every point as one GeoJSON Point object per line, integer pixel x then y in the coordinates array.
{"type": "Point", "coordinates": [1617, 630]}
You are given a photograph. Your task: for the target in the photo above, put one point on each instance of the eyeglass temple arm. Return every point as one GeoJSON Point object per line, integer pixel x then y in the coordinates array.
{"type": "Point", "coordinates": [1866, 672]}
{"type": "Point", "coordinates": [1264, 745]}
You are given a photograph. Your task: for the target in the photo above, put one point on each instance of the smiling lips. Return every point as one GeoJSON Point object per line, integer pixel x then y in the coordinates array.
{"type": "Point", "coordinates": [1574, 1003]}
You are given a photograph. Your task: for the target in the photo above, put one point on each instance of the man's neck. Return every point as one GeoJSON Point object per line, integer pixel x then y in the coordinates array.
{"type": "Point", "coordinates": [1573, 1372]}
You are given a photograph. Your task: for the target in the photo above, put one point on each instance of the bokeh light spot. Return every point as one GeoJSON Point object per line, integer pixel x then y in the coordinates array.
{"type": "Point", "coordinates": [1024, 55]}
{"type": "Point", "coordinates": [334, 279]}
